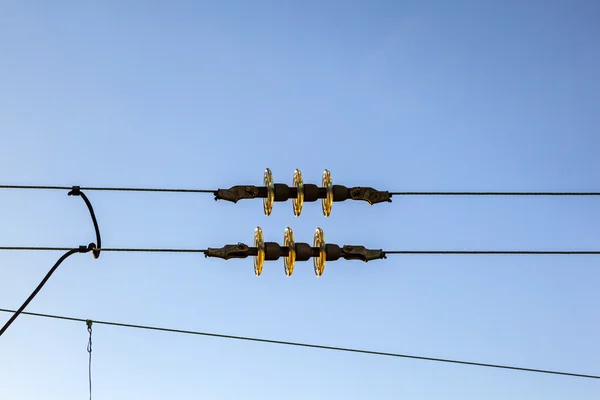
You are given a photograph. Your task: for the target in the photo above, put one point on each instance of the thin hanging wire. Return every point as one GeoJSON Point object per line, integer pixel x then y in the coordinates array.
{"type": "Point", "coordinates": [314, 346]}
{"type": "Point", "coordinates": [89, 350]}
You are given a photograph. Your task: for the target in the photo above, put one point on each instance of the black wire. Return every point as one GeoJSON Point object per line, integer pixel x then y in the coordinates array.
{"type": "Point", "coordinates": [495, 193]}
{"type": "Point", "coordinates": [387, 252]}
{"type": "Point", "coordinates": [110, 189]}
{"type": "Point", "coordinates": [314, 346]}
{"type": "Point", "coordinates": [36, 187]}
{"type": "Point", "coordinates": [150, 250]}
{"type": "Point", "coordinates": [131, 189]}
{"type": "Point", "coordinates": [492, 252]}
{"type": "Point", "coordinates": [76, 191]}
{"type": "Point", "coordinates": [123, 249]}
{"type": "Point", "coordinates": [42, 283]}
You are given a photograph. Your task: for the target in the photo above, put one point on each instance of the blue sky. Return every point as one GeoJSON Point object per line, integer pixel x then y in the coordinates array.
{"type": "Point", "coordinates": [467, 95]}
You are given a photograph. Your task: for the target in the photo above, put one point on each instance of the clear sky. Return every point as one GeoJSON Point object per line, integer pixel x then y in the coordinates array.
{"type": "Point", "coordinates": [462, 95]}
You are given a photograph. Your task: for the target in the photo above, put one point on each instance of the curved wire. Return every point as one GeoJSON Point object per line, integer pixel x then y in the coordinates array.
{"type": "Point", "coordinates": [315, 346]}
{"type": "Point", "coordinates": [81, 249]}
{"type": "Point", "coordinates": [76, 191]}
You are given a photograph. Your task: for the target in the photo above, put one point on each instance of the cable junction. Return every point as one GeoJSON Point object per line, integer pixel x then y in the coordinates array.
{"type": "Point", "coordinates": [93, 247]}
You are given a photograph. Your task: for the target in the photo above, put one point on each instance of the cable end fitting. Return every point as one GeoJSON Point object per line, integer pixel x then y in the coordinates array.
{"type": "Point", "coordinates": [90, 247]}
{"type": "Point", "coordinates": [95, 252]}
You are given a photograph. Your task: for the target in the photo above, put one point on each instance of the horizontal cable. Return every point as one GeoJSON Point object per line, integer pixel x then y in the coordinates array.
{"type": "Point", "coordinates": [108, 189]}
{"type": "Point", "coordinates": [132, 189]}
{"type": "Point", "coordinates": [388, 252]}
{"type": "Point", "coordinates": [122, 249]}
{"type": "Point", "coordinates": [493, 252]}
{"type": "Point", "coordinates": [307, 345]}
{"type": "Point", "coordinates": [495, 193]}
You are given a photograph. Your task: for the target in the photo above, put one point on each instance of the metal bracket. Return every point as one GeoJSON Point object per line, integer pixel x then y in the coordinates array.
{"type": "Point", "coordinates": [240, 250]}
{"type": "Point", "coordinates": [361, 253]}
{"type": "Point", "coordinates": [236, 193]}
{"type": "Point", "coordinates": [370, 195]}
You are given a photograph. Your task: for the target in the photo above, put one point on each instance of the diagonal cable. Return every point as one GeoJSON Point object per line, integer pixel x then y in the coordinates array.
{"type": "Point", "coordinates": [314, 346]}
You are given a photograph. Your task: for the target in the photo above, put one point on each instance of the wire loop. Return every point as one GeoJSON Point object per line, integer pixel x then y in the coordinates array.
{"type": "Point", "coordinates": [76, 191]}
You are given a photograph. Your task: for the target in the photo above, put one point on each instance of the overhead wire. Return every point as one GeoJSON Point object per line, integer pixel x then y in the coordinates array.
{"type": "Point", "coordinates": [107, 249]}
{"type": "Point", "coordinates": [495, 193]}
{"type": "Point", "coordinates": [70, 251]}
{"type": "Point", "coordinates": [309, 345]}
{"type": "Point", "coordinates": [400, 193]}
{"type": "Point", "coordinates": [493, 252]}
{"type": "Point", "coordinates": [108, 189]}
{"type": "Point", "coordinates": [387, 252]}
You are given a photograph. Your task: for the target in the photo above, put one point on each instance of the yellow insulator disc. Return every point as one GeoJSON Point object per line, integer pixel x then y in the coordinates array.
{"type": "Point", "coordinates": [319, 261]}
{"type": "Point", "coordinates": [259, 259]}
{"type": "Point", "coordinates": [288, 241]}
{"type": "Point", "coordinates": [299, 200]}
{"type": "Point", "coordinates": [270, 199]}
{"type": "Point", "coordinates": [327, 202]}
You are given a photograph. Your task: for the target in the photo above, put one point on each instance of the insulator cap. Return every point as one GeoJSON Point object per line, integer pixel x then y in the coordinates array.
{"type": "Point", "coordinates": [270, 199]}
{"type": "Point", "coordinates": [327, 202]}
{"type": "Point", "coordinates": [319, 261]}
{"type": "Point", "coordinates": [259, 243]}
{"type": "Point", "coordinates": [290, 259]}
{"type": "Point", "coordinates": [299, 185]}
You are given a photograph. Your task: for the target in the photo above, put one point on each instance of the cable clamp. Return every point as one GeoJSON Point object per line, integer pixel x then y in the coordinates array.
{"type": "Point", "coordinates": [75, 191]}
